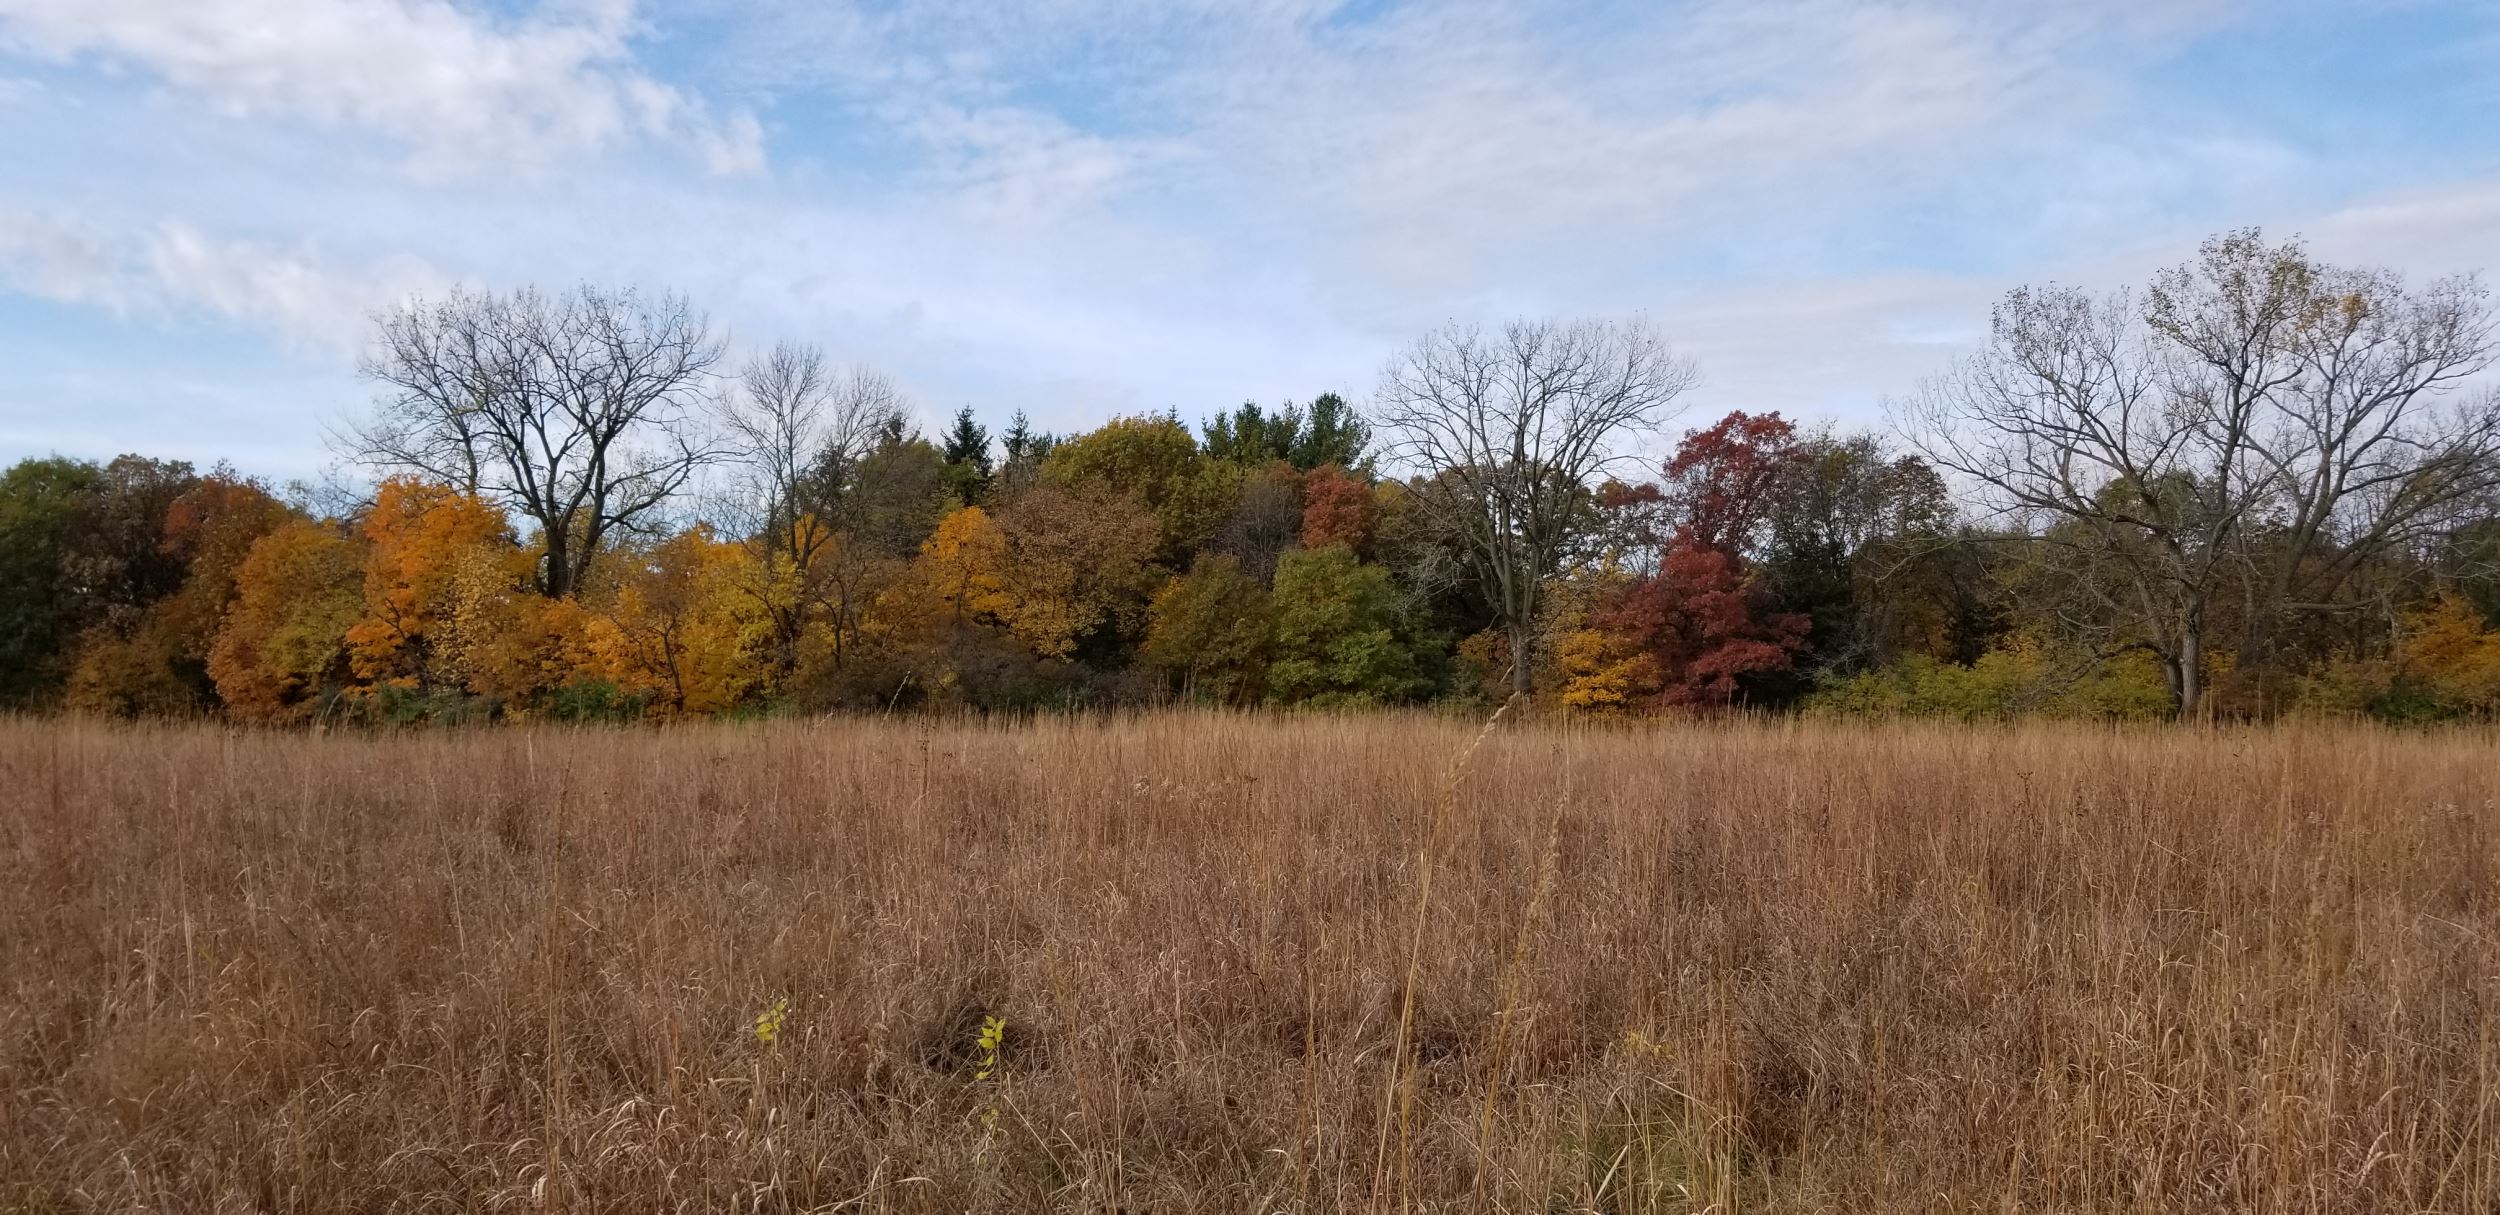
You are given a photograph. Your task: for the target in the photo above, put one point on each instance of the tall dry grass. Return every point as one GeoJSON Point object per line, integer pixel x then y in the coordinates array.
{"type": "Point", "coordinates": [1759, 967]}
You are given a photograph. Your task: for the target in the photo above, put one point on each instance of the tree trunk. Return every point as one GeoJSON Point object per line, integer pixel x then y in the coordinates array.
{"type": "Point", "coordinates": [1522, 673]}
{"type": "Point", "coordinates": [554, 582]}
{"type": "Point", "coordinates": [2189, 681]}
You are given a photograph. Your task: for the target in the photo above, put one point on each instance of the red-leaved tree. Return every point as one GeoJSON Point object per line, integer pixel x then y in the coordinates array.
{"type": "Point", "coordinates": [1338, 510]}
{"type": "Point", "coordinates": [1699, 614]}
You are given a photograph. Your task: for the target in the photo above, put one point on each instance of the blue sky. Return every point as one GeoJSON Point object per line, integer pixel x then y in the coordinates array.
{"type": "Point", "coordinates": [1084, 207]}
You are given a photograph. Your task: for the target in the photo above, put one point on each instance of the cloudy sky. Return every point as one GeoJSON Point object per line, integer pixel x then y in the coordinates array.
{"type": "Point", "coordinates": [1083, 207]}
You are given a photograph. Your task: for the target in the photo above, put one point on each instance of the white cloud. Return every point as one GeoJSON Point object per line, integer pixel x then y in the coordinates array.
{"type": "Point", "coordinates": [1080, 206]}
{"type": "Point", "coordinates": [175, 270]}
{"type": "Point", "coordinates": [1018, 166]}
{"type": "Point", "coordinates": [1430, 150]}
{"type": "Point", "coordinates": [2432, 230]}
{"type": "Point", "coordinates": [449, 84]}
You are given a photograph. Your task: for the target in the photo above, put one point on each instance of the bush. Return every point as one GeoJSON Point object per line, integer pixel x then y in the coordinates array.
{"type": "Point", "coordinates": [591, 700]}
{"type": "Point", "coordinates": [2002, 684]}
{"type": "Point", "coordinates": [1342, 635]}
{"type": "Point", "coordinates": [399, 705]}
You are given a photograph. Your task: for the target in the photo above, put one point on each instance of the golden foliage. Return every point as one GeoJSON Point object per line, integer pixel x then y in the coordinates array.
{"type": "Point", "coordinates": [682, 625]}
{"type": "Point", "coordinates": [2448, 648]}
{"type": "Point", "coordinates": [296, 594]}
{"type": "Point", "coordinates": [1604, 674]}
{"type": "Point", "coordinates": [963, 567]}
{"type": "Point", "coordinates": [433, 553]}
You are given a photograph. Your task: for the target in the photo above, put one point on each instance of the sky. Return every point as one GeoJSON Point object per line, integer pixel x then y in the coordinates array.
{"type": "Point", "coordinates": [1081, 208]}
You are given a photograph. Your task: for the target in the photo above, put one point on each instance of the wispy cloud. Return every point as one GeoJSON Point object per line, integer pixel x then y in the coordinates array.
{"type": "Point", "coordinates": [173, 269]}
{"type": "Point", "coordinates": [449, 84]}
{"type": "Point", "coordinates": [1076, 206]}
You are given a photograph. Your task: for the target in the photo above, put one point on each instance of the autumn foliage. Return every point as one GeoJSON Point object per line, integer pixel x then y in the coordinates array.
{"type": "Point", "coordinates": [1681, 618]}
{"type": "Point", "coordinates": [1760, 567]}
{"type": "Point", "coordinates": [284, 641]}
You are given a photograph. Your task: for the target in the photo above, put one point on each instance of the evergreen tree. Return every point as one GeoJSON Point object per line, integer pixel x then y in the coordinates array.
{"type": "Point", "coordinates": [1330, 432]}
{"type": "Point", "coordinates": [1025, 446]}
{"type": "Point", "coordinates": [968, 463]}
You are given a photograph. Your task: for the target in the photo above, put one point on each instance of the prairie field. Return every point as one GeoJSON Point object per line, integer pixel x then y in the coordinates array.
{"type": "Point", "coordinates": [1249, 963]}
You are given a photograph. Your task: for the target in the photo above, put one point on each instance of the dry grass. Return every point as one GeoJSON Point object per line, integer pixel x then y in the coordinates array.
{"type": "Point", "coordinates": [1756, 967]}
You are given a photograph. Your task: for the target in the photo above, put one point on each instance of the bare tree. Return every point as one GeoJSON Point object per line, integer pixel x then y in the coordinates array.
{"type": "Point", "coordinates": [793, 429]}
{"type": "Point", "coordinates": [1509, 430]}
{"type": "Point", "coordinates": [2260, 426]}
{"type": "Point", "coordinates": [2361, 448]}
{"type": "Point", "coordinates": [577, 411]}
{"type": "Point", "coordinates": [795, 432]}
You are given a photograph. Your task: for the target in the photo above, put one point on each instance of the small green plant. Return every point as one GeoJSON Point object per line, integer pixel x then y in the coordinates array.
{"type": "Point", "coordinates": [992, 1036]}
{"type": "Point", "coordinates": [985, 1045]}
{"type": "Point", "coordinates": [768, 1022]}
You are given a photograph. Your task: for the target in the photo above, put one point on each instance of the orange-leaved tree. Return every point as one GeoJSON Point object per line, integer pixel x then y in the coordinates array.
{"type": "Point", "coordinates": [158, 664]}
{"type": "Point", "coordinates": [1338, 509]}
{"type": "Point", "coordinates": [437, 558]}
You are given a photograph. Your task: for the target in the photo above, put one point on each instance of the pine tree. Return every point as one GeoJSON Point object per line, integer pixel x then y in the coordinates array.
{"type": "Point", "coordinates": [1026, 447]}
{"type": "Point", "coordinates": [968, 462]}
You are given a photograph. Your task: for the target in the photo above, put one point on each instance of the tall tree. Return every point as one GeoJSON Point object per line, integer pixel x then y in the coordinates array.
{"type": "Point", "coordinates": [1343, 635]}
{"type": "Point", "coordinates": [158, 663]}
{"type": "Point", "coordinates": [1026, 447]}
{"type": "Point", "coordinates": [1866, 543]}
{"type": "Point", "coordinates": [1338, 509]}
{"type": "Point", "coordinates": [794, 431]}
{"type": "Point", "coordinates": [968, 463]}
{"type": "Point", "coordinates": [1333, 432]}
{"type": "Point", "coordinates": [1265, 521]}
{"type": "Point", "coordinates": [1694, 615]}
{"type": "Point", "coordinates": [1510, 430]}
{"type": "Point", "coordinates": [1209, 631]}
{"type": "Point", "coordinates": [679, 624]}
{"type": "Point", "coordinates": [44, 508]}
{"type": "Point", "coordinates": [120, 563]}
{"type": "Point", "coordinates": [424, 540]}
{"type": "Point", "coordinates": [284, 642]}
{"type": "Point", "coordinates": [1250, 435]}
{"type": "Point", "coordinates": [1329, 432]}
{"type": "Point", "coordinates": [83, 561]}
{"type": "Point", "coordinates": [2345, 374]}
{"type": "Point", "coordinates": [1153, 461]}
{"type": "Point", "coordinates": [2258, 427]}
{"type": "Point", "coordinates": [577, 411]}
{"type": "Point", "coordinates": [797, 433]}
{"type": "Point", "coordinates": [1078, 569]}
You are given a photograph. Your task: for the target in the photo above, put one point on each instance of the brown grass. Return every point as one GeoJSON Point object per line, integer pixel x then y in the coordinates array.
{"type": "Point", "coordinates": [1757, 967]}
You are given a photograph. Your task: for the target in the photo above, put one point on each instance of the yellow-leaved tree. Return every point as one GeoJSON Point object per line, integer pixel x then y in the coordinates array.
{"type": "Point", "coordinates": [683, 626]}
{"type": "Point", "coordinates": [2449, 651]}
{"type": "Point", "coordinates": [284, 638]}
{"type": "Point", "coordinates": [1603, 674]}
{"type": "Point", "coordinates": [963, 568]}
{"type": "Point", "coordinates": [1597, 671]}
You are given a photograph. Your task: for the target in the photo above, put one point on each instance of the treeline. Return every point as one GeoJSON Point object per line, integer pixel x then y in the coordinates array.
{"type": "Point", "coordinates": [2263, 485]}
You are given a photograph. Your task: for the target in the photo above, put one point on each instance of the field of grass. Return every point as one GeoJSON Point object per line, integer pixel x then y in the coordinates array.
{"type": "Point", "coordinates": [1249, 964]}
